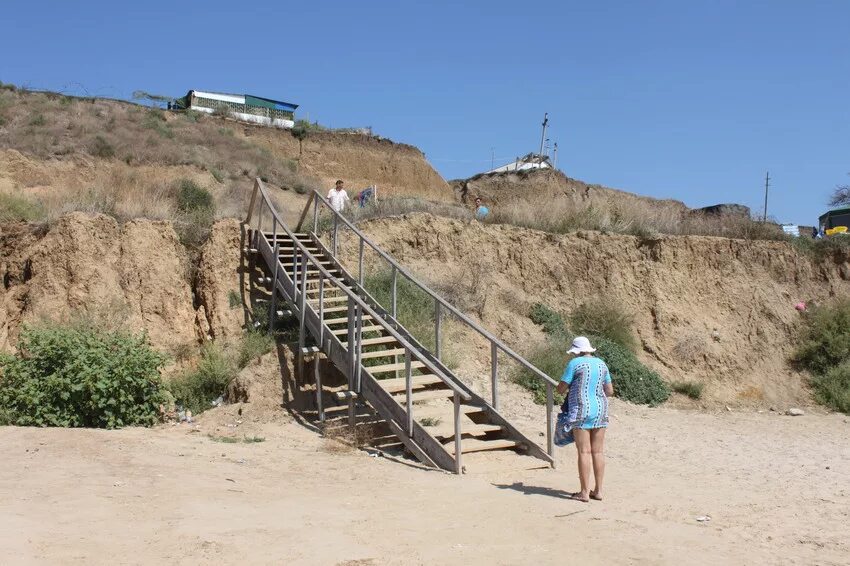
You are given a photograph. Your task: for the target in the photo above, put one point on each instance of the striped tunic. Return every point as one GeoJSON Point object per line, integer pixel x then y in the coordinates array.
{"type": "Point", "coordinates": [586, 404]}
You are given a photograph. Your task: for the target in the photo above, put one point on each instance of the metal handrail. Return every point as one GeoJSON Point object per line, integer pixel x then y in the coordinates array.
{"type": "Point", "coordinates": [444, 303]}
{"type": "Point", "coordinates": [356, 299]}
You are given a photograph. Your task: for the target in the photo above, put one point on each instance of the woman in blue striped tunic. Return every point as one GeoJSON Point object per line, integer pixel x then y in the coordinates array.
{"type": "Point", "coordinates": [587, 385]}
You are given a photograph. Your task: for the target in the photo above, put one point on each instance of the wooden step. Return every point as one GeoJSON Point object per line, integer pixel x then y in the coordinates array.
{"type": "Point", "coordinates": [336, 299]}
{"type": "Point", "coordinates": [336, 309]}
{"type": "Point", "coordinates": [288, 252]}
{"type": "Point", "coordinates": [371, 341]}
{"type": "Point", "coordinates": [387, 368]}
{"type": "Point", "coordinates": [311, 264]}
{"type": "Point", "coordinates": [446, 430]}
{"type": "Point", "coordinates": [344, 319]}
{"type": "Point", "coordinates": [344, 331]}
{"type": "Point", "coordinates": [468, 445]}
{"type": "Point", "coordinates": [380, 353]}
{"type": "Point", "coordinates": [284, 236]}
{"type": "Point", "coordinates": [397, 385]}
{"type": "Point", "coordinates": [425, 396]}
{"type": "Point", "coordinates": [444, 413]}
{"type": "Point", "coordinates": [329, 286]}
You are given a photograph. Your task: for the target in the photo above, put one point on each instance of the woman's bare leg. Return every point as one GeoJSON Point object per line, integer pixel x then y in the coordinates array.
{"type": "Point", "coordinates": [583, 448]}
{"type": "Point", "coordinates": [597, 451]}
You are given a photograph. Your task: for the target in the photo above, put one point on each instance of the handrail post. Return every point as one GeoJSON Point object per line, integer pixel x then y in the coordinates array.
{"type": "Point", "coordinates": [274, 229]}
{"type": "Point", "coordinates": [302, 308]}
{"type": "Point", "coordinates": [458, 447]}
{"type": "Point", "coordinates": [260, 220]}
{"type": "Point", "coordinates": [395, 293]}
{"type": "Point", "coordinates": [437, 330]}
{"type": "Point", "coordinates": [336, 229]}
{"type": "Point", "coordinates": [350, 350]}
{"type": "Point", "coordinates": [494, 373]}
{"type": "Point", "coordinates": [315, 214]}
{"type": "Point", "coordinates": [360, 263]}
{"type": "Point", "coordinates": [273, 310]}
{"type": "Point", "coordinates": [294, 269]}
{"type": "Point", "coordinates": [321, 309]}
{"type": "Point", "coordinates": [359, 356]}
{"type": "Point", "coordinates": [408, 387]}
{"type": "Point", "coordinates": [550, 440]}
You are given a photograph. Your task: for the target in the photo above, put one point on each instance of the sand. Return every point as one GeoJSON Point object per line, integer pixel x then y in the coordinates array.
{"type": "Point", "coordinates": [777, 490]}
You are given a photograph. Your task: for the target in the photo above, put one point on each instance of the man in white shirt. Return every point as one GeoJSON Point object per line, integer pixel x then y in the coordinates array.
{"type": "Point", "coordinates": [338, 197]}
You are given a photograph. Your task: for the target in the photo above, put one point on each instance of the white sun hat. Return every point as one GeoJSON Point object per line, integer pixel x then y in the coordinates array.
{"type": "Point", "coordinates": [581, 345]}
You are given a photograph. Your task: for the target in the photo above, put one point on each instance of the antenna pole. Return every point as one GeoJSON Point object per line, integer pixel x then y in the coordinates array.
{"type": "Point", "coordinates": [766, 189]}
{"type": "Point", "coordinates": [543, 135]}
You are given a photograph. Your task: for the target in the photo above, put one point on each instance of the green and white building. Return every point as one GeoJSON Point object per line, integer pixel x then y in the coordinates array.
{"type": "Point", "coordinates": [244, 107]}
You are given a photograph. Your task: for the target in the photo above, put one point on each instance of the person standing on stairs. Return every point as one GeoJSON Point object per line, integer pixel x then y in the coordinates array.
{"type": "Point", "coordinates": [587, 385]}
{"type": "Point", "coordinates": [338, 197]}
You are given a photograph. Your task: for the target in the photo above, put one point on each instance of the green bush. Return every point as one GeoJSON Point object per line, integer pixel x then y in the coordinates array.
{"type": "Point", "coordinates": [193, 227]}
{"type": "Point", "coordinates": [690, 388]}
{"type": "Point", "coordinates": [81, 376]}
{"type": "Point", "coordinates": [14, 208]}
{"type": "Point", "coordinates": [191, 197]}
{"type": "Point", "coordinates": [197, 388]}
{"type": "Point", "coordinates": [825, 340]}
{"type": "Point", "coordinates": [604, 318]}
{"type": "Point", "coordinates": [37, 119]}
{"type": "Point", "coordinates": [632, 380]}
{"type": "Point", "coordinates": [415, 307]}
{"type": "Point", "coordinates": [833, 388]}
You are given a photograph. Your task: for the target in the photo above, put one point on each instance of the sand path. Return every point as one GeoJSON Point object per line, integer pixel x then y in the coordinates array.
{"type": "Point", "coordinates": [777, 490]}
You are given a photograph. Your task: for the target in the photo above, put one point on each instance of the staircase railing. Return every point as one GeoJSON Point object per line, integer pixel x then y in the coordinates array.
{"type": "Point", "coordinates": [295, 290]}
{"type": "Point", "coordinates": [319, 204]}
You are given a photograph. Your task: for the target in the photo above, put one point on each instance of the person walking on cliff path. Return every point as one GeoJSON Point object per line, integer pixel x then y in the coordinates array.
{"type": "Point", "coordinates": [338, 197]}
{"type": "Point", "coordinates": [587, 385]}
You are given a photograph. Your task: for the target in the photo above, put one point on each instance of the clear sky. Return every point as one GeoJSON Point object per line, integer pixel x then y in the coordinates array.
{"type": "Point", "coordinates": [693, 100]}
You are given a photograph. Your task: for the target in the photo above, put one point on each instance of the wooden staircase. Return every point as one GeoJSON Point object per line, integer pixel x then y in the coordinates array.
{"type": "Point", "coordinates": [436, 417]}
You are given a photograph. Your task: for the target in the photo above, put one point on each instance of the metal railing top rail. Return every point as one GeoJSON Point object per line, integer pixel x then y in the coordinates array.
{"type": "Point", "coordinates": [353, 296]}
{"type": "Point", "coordinates": [454, 310]}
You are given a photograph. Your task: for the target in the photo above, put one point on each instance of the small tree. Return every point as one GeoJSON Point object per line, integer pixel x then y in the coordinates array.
{"type": "Point", "coordinates": [840, 196]}
{"type": "Point", "coordinates": [299, 132]}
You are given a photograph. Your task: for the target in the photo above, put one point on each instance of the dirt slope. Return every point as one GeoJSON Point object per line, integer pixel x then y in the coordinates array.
{"type": "Point", "coordinates": [716, 310]}
{"type": "Point", "coordinates": [137, 274]}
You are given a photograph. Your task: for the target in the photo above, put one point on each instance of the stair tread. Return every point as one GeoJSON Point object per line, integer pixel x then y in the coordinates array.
{"type": "Point", "coordinates": [393, 367]}
{"type": "Point", "coordinates": [444, 431]}
{"type": "Point", "coordinates": [445, 412]}
{"type": "Point", "coordinates": [371, 341]}
{"type": "Point", "coordinates": [382, 353]}
{"type": "Point", "coordinates": [344, 319]}
{"type": "Point", "coordinates": [469, 445]}
{"type": "Point", "coordinates": [336, 299]}
{"type": "Point", "coordinates": [425, 396]}
{"type": "Point", "coordinates": [344, 331]}
{"type": "Point", "coordinates": [399, 384]}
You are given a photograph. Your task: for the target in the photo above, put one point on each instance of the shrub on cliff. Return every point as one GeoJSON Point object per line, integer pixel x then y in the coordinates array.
{"type": "Point", "coordinates": [632, 380]}
{"type": "Point", "coordinates": [825, 339]}
{"type": "Point", "coordinates": [79, 375]}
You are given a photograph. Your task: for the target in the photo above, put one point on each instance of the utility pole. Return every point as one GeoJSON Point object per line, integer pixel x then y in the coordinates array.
{"type": "Point", "coordinates": [555, 156]}
{"type": "Point", "coordinates": [543, 135]}
{"type": "Point", "coordinates": [766, 188]}
{"type": "Point", "coordinates": [546, 147]}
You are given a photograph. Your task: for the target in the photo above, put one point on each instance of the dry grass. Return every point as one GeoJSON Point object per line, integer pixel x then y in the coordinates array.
{"type": "Point", "coordinates": [339, 437]}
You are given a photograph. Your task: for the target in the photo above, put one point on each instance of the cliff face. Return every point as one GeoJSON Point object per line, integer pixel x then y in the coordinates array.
{"type": "Point", "coordinates": [715, 310]}
{"type": "Point", "coordinates": [137, 274]}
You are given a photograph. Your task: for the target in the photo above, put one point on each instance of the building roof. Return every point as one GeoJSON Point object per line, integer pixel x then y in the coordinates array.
{"type": "Point", "coordinates": [529, 161]}
{"type": "Point", "coordinates": [248, 99]}
{"type": "Point", "coordinates": [834, 211]}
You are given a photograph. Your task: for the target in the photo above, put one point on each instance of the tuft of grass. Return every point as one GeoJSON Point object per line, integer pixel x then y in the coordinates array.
{"type": "Point", "coordinates": [601, 317]}
{"type": "Point", "coordinates": [430, 421]}
{"type": "Point", "coordinates": [16, 209]}
{"type": "Point", "coordinates": [101, 148]}
{"type": "Point", "coordinates": [191, 197]}
{"type": "Point", "coordinates": [253, 439]}
{"type": "Point", "coordinates": [253, 345]}
{"type": "Point", "coordinates": [690, 388]}
{"type": "Point", "coordinates": [197, 388]}
{"type": "Point", "coordinates": [223, 439]}
{"type": "Point", "coordinates": [233, 299]}
{"type": "Point", "coordinates": [37, 119]}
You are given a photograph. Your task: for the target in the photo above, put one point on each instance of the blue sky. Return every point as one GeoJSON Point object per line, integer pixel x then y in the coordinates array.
{"type": "Point", "coordinates": [690, 100]}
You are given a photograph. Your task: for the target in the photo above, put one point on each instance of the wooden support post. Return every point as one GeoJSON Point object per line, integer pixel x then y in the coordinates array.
{"type": "Point", "coordinates": [335, 231]}
{"type": "Point", "coordinates": [302, 309]}
{"type": "Point", "coordinates": [359, 357]}
{"type": "Point", "coordinates": [273, 309]}
{"type": "Point", "coordinates": [458, 433]}
{"type": "Point", "coordinates": [317, 375]}
{"type": "Point", "coordinates": [395, 293]}
{"type": "Point", "coordinates": [437, 329]}
{"type": "Point", "coordinates": [494, 373]}
{"type": "Point", "coordinates": [351, 324]}
{"type": "Point", "coordinates": [408, 387]}
{"type": "Point", "coordinates": [321, 309]}
{"type": "Point", "coordinates": [550, 439]}
{"type": "Point", "coordinates": [360, 264]}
